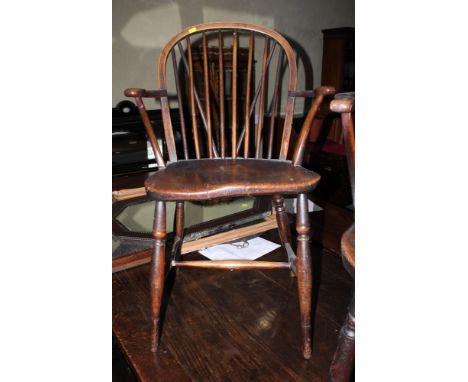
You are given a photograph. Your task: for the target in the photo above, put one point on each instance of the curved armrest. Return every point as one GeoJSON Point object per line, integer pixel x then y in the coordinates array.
{"type": "Point", "coordinates": [322, 90]}
{"type": "Point", "coordinates": [343, 103]}
{"type": "Point", "coordinates": [137, 92]}
{"type": "Point", "coordinates": [318, 94]}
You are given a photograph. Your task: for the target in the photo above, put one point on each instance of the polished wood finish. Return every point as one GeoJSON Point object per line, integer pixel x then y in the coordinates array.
{"type": "Point", "coordinates": [181, 106]}
{"type": "Point", "coordinates": [261, 104]}
{"type": "Point", "coordinates": [221, 95]}
{"type": "Point", "coordinates": [304, 273]}
{"type": "Point", "coordinates": [211, 178]}
{"type": "Point", "coordinates": [347, 246]}
{"type": "Point", "coordinates": [232, 264]}
{"type": "Point", "coordinates": [207, 97]}
{"type": "Point", "coordinates": [235, 42]}
{"type": "Point", "coordinates": [282, 219]}
{"type": "Point", "coordinates": [247, 97]}
{"type": "Point", "coordinates": [192, 100]}
{"type": "Point", "coordinates": [195, 104]}
{"type": "Point", "coordinates": [151, 135]}
{"type": "Point", "coordinates": [274, 105]}
{"type": "Point", "coordinates": [319, 94]}
{"type": "Point", "coordinates": [157, 271]}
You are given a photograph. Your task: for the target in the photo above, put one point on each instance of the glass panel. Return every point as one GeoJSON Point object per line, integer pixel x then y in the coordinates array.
{"type": "Point", "coordinates": [139, 217]}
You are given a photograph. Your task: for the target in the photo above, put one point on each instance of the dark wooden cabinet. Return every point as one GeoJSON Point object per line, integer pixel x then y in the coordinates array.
{"type": "Point", "coordinates": [130, 149]}
{"type": "Point", "coordinates": [338, 59]}
{"type": "Point", "coordinates": [325, 151]}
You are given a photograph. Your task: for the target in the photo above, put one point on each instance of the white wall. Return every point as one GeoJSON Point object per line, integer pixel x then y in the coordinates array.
{"type": "Point", "coordinates": [141, 28]}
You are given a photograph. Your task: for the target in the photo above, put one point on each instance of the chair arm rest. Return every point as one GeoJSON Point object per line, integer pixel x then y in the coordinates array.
{"type": "Point", "coordinates": [322, 90]}
{"type": "Point", "coordinates": [137, 92]}
{"type": "Point", "coordinates": [342, 105]}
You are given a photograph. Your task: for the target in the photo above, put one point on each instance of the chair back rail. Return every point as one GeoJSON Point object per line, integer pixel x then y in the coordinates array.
{"type": "Point", "coordinates": [208, 132]}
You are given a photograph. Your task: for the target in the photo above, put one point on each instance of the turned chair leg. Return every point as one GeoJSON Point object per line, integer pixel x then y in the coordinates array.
{"type": "Point", "coordinates": [284, 231]}
{"type": "Point", "coordinates": [157, 270]}
{"type": "Point", "coordinates": [282, 220]}
{"type": "Point", "coordinates": [343, 360]}
{"type": "Point", "coordinates": [304, 271]}
{"type": "Point", "coordinates": [178, 230]}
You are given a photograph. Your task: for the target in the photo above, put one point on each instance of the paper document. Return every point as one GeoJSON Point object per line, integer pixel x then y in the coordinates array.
{"type": "Point", "coordinates": [242, 250]}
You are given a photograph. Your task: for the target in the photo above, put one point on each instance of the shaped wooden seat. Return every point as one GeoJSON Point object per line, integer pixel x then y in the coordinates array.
{"type": "Point", "coordinates": [227, 149]}
{"type": "Point", "coordinates": [216, 178]}
{"type": "Point", "coordinates": [347, 249]}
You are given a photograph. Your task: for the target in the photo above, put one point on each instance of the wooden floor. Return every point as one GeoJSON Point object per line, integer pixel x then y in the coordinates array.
{"type": "Point", "coordinates": [222, 325]}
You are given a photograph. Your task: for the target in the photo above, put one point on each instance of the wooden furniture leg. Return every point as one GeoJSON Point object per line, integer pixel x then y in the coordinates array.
{"type": "Point", "coordinates": [179, 231]}
{"type": "Point", "coordinates": [285, 231]}
{"type": "Point", "coordinates": [282, 219]}
{"type": "Point", "coordinates": [343, 360]}
{"type": "Point", "coordinates": [157, 270]}
{"type": "Point", "coordinates": [304, 271]}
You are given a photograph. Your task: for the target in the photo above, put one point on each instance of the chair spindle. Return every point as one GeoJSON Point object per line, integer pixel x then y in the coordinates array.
{"type": "Point", "coordinates": [254, 101]}
{"type": "Point", "coordinates": [207, 98]}
{"type": "Point", "coordinates": [262, 99]}
{"type": "Point", "coordinates": [150, 132]}
{"type": "Point", "coordinates": [179, 100]}
{"type": "Point", "coordinates": [274, 104]}
{"type": "Point", "coordinates": [221, 94]}
{"type": "Point", "coordinates": [192, 100]}
{"type": "Point", "coordinates": [247, 96]}
{"type": "Point", "coordinates": [197, 98]}
{"type": "Point", "coordinates": [234, 95]}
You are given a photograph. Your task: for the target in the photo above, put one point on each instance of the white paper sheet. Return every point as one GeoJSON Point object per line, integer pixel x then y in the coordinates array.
{"type": "Point", "coordinates": [257, 247]}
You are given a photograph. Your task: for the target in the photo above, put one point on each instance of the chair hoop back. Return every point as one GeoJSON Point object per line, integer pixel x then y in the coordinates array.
{"type": "Point", "coordinates": [246, 140]}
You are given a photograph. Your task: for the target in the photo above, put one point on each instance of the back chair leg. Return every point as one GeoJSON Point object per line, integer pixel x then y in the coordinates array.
{"type": "Point", "coordinates": [304, 271]}
{"type": "Point", "coordinates": [343, 360]}
{"type": "Point", "coordinates": [282, 220]}
{"type": "Point", "coordinates": [179, 231]}
{"type": "Point", "coordinates": [284, 231]}
{"type": "Point", "coordinates": [157, 270]}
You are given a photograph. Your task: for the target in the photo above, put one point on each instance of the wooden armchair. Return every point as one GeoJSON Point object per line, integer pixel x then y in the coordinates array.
{"type": "Point", "coordinates": [232, 157]}
{"type": "Point", "coordinates": [343, 360]}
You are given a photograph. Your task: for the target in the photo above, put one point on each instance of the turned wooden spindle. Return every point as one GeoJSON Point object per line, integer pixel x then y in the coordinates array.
{"type": "Point", "coordinates": [261, 103]}
{"type": "Point", "coordinates": [221, 95]}
{"type": "Point", "coordinates": [157, 270]}
{"type": "Point", "coordinates": [234, 96]}
{"type": "Point", "coordinates": [247, 97]}
{"type": "Point", "coordinates": [304, 271]}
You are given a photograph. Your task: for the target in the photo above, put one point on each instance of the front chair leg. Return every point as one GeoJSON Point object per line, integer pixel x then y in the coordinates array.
{"type": "Point", "coordinates": [304, 271]}
{"type": "Point", "coordinates": [157, 270]}
{"type": "Point", "coordinates": [343, 360]}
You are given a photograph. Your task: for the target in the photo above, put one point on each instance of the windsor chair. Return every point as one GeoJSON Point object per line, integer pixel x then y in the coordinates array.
{"type": "Point", "coordinates": [238, 158]}
{"type": "Point", "coordinates": [343, 360]}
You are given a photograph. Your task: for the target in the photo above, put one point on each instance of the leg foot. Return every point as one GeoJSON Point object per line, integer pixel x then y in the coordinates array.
{"type": "Point", "coordinates": [157, 271]}
{"type": "Point", "coordinates": [343, 360]}
{"type": "Point", "coordinates": [304, 272]}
